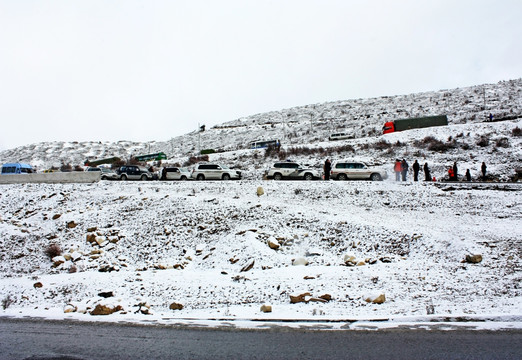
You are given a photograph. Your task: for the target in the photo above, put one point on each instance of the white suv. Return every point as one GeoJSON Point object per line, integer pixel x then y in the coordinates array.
{"type": "Point", "coordinates": [354, 170]}
{"type": "Point", "coordinates": [214, 172]}
{"type": "Point", "coordinates": [292, 170]}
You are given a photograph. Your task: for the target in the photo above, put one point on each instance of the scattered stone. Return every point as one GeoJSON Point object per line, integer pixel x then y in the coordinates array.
{"type": "Point", "coordinates": [326, 297]}
{"type": "Point", "coordinates": [106, 294]}
{"type": "Point", "coordinates": [58, 260]}
{"type": "Point", "coordinates": [349, 260]}
{"type": "Point", "coordinates": [56, 216]}
{"type": "Point", "coordinates": [233, 261]}
{"type": "Point", "coordinates": [105, 310]}
{"type": "Point", "coordinates": [248, 266]}
{"type": "Point", "coordinates": [92, 229]}
{"type": "Point", "coordinates": [474, 259]}
{"type": "Point", "coordinates": [274, 245]}
{"type": "Point", "coordinates": [376, 299]}
{"type": "Point", "coordinates": [266, 308]}
{"type": "Point", "coordinates": [300, 261]}
{"type": "Point", "coordinates": [70, 308]}
{"type": "Point", "coordinates": [71, 225]}
{"type": "Point", "coordinates": [300, 298]}
{"type": "Point", "coordinates": [309, 277]}
{"type": "Point", "coordinates": [37, 285]}
{"type": "Point", "coordinates": [176, 306]}
{"type": "Point", "coordinates": [75, 256]}
{"type": "Point", "coordinates": [91, 238]}
{"type": "Point", "coordinates": [260, 191]}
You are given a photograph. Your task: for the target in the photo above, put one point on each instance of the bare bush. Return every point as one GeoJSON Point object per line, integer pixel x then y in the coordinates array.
{"type": "Point", "coordinates": [195, 159]}
{"type": "Point", "coordinates": [483, 141]}
{"type": "Point", "coordinates": [382, 145]}
{"type": "Point", "coordinates": [516, 131]}
{"type": "Point", "coordinates": [502, 142]}
{"type": "Point", "coordinates": [53, 250]}
{"type": "Point", "coordinates": [7, 301]}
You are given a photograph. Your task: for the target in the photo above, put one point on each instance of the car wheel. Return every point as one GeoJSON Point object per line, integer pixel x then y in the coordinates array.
{"type": "Point", "coordinates": [342, 177]}
{"type": "Point", "coordinates": [200, 177]}
{"type": "Point", "coordinates": [308, 176]}
{"type": "Point", "coordinates": [143, 177]}
{"type": "Point", "coordinates": [183, 178]}
{"type": "Point", "coordinates": [104, 177]}
{"type": "Point", "coordinates": [375, 177]}
{"type": "Point", "coordinates": [278, 176]}
{"type": "Point", "coordinates": [225, 177]}
{"type": "Point", "coordinates": [124, 177]}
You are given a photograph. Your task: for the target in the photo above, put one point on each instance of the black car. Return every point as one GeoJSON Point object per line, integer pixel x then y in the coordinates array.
{"type": "Point", "coordinates": [134, 172]}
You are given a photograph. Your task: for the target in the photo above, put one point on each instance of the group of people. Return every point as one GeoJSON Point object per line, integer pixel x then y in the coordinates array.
{"type": "Point", "coordinates": [401, 171]}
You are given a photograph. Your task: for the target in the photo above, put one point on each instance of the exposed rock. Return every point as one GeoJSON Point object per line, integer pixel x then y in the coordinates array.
{"type": "Point", "coordinates": [300, 261]}
{"type": "Point", "coordinates": [176, 306]}
{"type": "Point", "coordinates": [300, 298]}
{"type": "Point", "coordinates": [91, 238]}
{"type": "Point", "coordinates": [58, 260]}
{"type": "Point", "coordinates": [71, 225]}
{"type": "Point", "coordinates": [376, 299]}
{"type": "Point", "coordinates": [75, 256]}
{"type": "Point", "coordinates": [106, 294]}
{"type": "Point", "coordinates": [56, 216]}
{"type": "Point", "coordinates": [92, 229]}
{"type": "Point", "coordinates": [349, 260]}
{"type": "Point", "coordinates": [474, 259]}
{"type": "Point", "coordinates": [273, 244]}
{"type": "Point", "coordinates": [105, 310]}
{"type": "Point", "coordinates": [69, 308]}
{"type": "Point", "coordinates": [260, 191]}
{"type": "Point", "coordinates": [248, 266]}
{"type": "Point", "coordinates": [37, 285]}
{"type": "Point", "coordinates": [266, 308]}
{"type": "Point", "coordinates": [326, 297]}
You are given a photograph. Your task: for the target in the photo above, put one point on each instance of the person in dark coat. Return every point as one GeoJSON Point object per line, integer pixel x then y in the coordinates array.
{"type": "Point", "coordinates": [404, 169]}
{"type": "Point", "coordinates": [455, 172]}
{"type": "Point", "coordinates": [468, 175]}
{"type": "Point", "coordinates": [427, 175]}
{"type": "Point", "coordinates": [416, 168]}
{"type": "Point", "coordinates": [483, 168]}
{"type": "Point", "coordinates": [327, 169]}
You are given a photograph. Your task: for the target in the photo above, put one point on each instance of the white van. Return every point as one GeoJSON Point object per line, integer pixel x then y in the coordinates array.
{"type": "Point", "coordinates": [339, 136]}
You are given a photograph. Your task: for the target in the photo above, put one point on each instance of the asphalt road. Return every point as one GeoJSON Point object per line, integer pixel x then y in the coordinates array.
{"type": "Point", "coordinates": [38, 339]}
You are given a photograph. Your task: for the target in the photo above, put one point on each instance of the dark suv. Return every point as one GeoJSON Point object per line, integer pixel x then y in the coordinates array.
{"type": "Point", "coordinates": [133, 172]}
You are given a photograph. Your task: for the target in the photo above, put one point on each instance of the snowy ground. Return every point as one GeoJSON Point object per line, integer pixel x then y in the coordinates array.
{"type": "Point", "coordinates": [158, 243]}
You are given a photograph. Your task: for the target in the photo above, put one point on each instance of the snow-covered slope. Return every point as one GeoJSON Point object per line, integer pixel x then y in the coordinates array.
{"type": "Point", "coordinates": [467, 109]}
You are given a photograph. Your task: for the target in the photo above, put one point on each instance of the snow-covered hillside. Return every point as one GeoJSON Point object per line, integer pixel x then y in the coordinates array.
{"type": "Point", "coordinates": [310, 126]}
{"type": "Point", "coordinates": [177, 252]}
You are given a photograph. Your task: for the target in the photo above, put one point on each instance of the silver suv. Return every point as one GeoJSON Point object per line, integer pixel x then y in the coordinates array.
{"type": "Point", "coordinates": [292, 170]}
{"type": "Point", "coordinates": [354, 170]}
{"type": "Point", "coordinates": [214, 172]}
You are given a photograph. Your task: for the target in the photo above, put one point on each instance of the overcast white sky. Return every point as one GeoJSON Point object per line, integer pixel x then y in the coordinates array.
{"type": "Point", "coordinates": [151, 70]}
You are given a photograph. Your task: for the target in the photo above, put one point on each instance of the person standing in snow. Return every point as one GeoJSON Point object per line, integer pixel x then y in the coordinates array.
{"type": "Point", "coordinates": [483, 169]}
{"type": "Point", "coordinates": [404, 169]}
{"type": "Point", "coordinates": [468, 175]}
{"type": "Point", "coordinates": [416, 168]}
{"type": "Point", "coordinates": [427, 175]}
{"type": "Point", "coordinates": [327, 169]}
{"type": "Point", "coordinates": [451, 174]}
{"type": "Point", "coordinates": [397, 169]}
{"type": "Point", "coordinates": [455, 172]}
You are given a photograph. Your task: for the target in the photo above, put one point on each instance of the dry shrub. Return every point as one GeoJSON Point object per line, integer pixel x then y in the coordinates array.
{"type": "Point", "coordinates": [7, 301]}
{"type": "Point", "coordinates": [53, 250]}
{"type": "Point", "coordinates": [382, 145]}
{"type": "Point", "coordinates": [502, 142]}
{"type": "Point", "coordinates": [483, 141]}
{"type": "Point", "coordinates": [516, 131]}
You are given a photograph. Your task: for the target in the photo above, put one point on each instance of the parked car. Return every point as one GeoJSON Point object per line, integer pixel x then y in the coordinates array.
{"type": "Point", "coordinates": [214, 172]}
{"type": "Point", "coordinates": [339, 136]}
{"type": "Point", "coordinates": [292, 170]}
{"type": "Point", "coordinates": [174, 173]}
{"type": "Point", "coordinates": [355, 170]}
{"type": "Point", "coordinates": [105, 173]}
{"type": "Point", "coordinates": [134, 172]}
{"type": "Point", "coordinates": [16, 168]}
